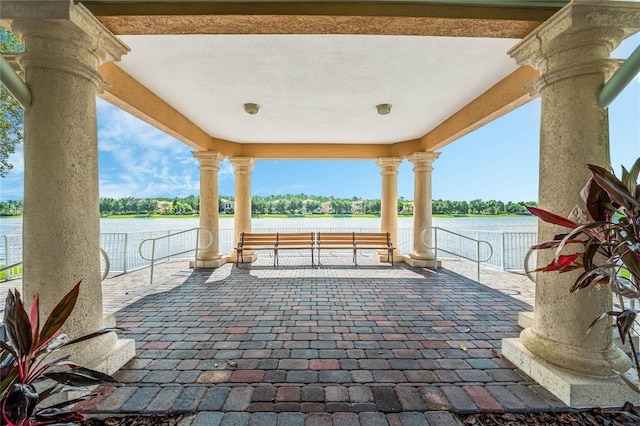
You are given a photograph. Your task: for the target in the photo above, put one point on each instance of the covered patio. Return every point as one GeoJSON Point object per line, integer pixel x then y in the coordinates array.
{"type": "Point", "coordinates": [482, 58]}
{"type": "Point", "coordinates": [337, 343]}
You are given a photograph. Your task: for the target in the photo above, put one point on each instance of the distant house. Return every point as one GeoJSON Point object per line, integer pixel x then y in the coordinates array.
{"type": "Point", "coordinates": [307, 210]}
{"type": "Point", "coordinates": [228, 206]}
{"type": "Point", "coordinates": [357, 207]}
{"type": "Point", "coordinates": [325, 207]}
{"type": "Point", "coordinates": [163, 207]}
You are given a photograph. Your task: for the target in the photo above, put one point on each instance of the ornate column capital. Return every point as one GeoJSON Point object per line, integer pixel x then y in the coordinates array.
{"type": "Point", "coordinates": [61, 35]}
{"type": "Point", "coordinates": [422, 161]}
{"type": "Point", "coordinates": [389, 165]}
{"type": "Point", "coordinates": [242, 165]}
{"type": "Point", "coordinates": [578, 40]}
{"type": "Point", "coordinates": [208, 160]}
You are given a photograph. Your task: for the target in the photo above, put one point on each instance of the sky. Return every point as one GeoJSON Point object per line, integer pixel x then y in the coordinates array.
{"type": "Point", "coordinates": [498, 161]}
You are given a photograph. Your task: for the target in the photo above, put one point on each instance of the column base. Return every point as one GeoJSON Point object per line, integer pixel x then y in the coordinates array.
{"type": "Point", "coordinates": [525, 320]}
{"type": "Point", "coordinates": [122, 352]}
{"type": "Point", "coordinates": [247, 257]}
{"type": "Point", "coordinates": [420, 262]}
{"type": "Point", "coordinates": [211, 263]}
{"type": "Point", "coordinates": [397, 258]}
{"type": "Point", "coordinates": [575, 390]}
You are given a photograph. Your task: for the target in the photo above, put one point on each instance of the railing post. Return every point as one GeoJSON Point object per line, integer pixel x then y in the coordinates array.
{"type": "Point", "coordinates": [478, 256]}
{"type": "Point", "coordinates": [435, 243]}
{"type": "Point", "coordinates": [125, 254]}
{"type": "Point", "coordinates": [153, 258]}
{"type": "Point", "coordinates": [195, 260]}
{"type": "Point", "coordinates": [6, 257]}
{"type": "Point", "coordinates": [504, 251]}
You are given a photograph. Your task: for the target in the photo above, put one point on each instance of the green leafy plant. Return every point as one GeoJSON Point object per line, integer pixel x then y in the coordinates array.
{"type": "Point", "coordinates": [26, 361]}
{"type": "Point", "coordinates": [604, 242]}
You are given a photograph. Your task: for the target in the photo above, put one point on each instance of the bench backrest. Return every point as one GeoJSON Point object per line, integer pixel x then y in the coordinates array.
{"type": "Point", "coordinates": [295, 239]}
{"type": "Point", "coordinates": [329, 238]}
{"type": "Point", "coordinates": [372, 239]}
{"type": "Point", "coordinates": [258, 239]}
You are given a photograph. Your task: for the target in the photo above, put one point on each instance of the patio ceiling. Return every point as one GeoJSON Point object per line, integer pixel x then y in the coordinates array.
{"type": "Point", "coordinates": [317, 71]}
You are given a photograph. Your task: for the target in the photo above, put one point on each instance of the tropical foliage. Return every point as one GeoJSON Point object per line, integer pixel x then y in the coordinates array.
{"type": "Point", "coordinates": [603, 242]}
{"type": "Point", "coordinates": [25, 361]}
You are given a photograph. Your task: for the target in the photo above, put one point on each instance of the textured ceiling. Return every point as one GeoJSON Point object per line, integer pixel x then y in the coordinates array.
{"type": "Point", "coordinates": [317, 88]}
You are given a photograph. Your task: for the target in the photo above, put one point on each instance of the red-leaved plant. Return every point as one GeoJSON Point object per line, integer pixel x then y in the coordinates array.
{"type": "Point", "coordinates": [605, 243]}
{"type": "Point", "coordinates": [25, 360]}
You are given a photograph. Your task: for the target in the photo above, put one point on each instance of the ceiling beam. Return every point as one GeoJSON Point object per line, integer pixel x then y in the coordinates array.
{"type": "Point", "coordinates": [323, 151]}
{"type": "Point", "coordinates": [503, 97]}
{"type": "Point", "coordinates": [269, 17]}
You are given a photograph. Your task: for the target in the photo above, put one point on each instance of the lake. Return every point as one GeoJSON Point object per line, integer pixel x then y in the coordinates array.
{"type": "Point", "coordinates": [13, 226]}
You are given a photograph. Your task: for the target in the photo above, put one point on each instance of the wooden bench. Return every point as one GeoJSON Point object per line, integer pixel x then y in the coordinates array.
{"type": "Point", "coordinates": [275, 241]}
{"type": "Point", "coordinates": [355, 241]}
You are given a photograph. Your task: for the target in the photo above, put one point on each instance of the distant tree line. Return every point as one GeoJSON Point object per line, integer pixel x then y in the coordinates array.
{"type": "Point", "coordinates": [10, 207]}
{"type": "Point", "coordinates": [131, 205]}
{"type": "Point", "coordinates": [286, 204]}
{"type": "Point", "coordinates": [480, 207]}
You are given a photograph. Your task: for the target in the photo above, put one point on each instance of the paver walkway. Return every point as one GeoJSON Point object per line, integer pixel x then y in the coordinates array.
{"type": "Point", "coordinates": [296, 344]}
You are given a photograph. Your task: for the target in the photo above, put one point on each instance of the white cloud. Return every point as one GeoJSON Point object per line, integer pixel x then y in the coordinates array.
{"type": "Point", "coordinates": [12, 185]}
{"type": "Point", "coordinates": [139, 160]}
{"type": "Point", "coordinates": [226, 169]}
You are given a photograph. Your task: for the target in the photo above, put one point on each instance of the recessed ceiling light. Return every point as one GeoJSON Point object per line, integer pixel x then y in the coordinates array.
{"type": "Point", "coordinates": [383, 109]}
{"type": "Point", "coordinates": [251, 108]}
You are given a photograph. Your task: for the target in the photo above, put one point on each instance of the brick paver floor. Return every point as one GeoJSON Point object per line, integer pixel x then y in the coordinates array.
{"type": "Point", "coordinates": [302, 345]}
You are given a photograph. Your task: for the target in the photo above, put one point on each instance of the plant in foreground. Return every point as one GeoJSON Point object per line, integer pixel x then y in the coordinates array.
{"type": "Point", "coordinates": [604, 240]}
{"type": "Point", "coordinates": [25, 362]}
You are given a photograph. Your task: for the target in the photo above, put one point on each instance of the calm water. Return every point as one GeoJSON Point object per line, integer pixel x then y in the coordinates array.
{"type": "Point", "coordinates": [501, 224]}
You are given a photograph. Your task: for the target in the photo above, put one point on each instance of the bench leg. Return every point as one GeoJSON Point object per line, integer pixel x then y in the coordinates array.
{"type": "Point", "coordinates": [355, 257]}
{"type": "Point", "coordinates": [275, 257]}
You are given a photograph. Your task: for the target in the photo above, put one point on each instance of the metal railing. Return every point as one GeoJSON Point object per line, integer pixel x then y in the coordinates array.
{"type": "Point", "coordinates": [163, 249]}
{"type": "Point", "coordinates": [122, 248]}
{"type": "Point", "coordinates": [509, 248]}
{"type": "Point", "coordinates": [12, 251]}
{"type": "Point", "coordinates": [11, 270]}
{"type": "Point", "coordinates": [463, 251]}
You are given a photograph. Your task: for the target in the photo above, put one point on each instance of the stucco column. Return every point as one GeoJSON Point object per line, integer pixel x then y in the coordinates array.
{"type": "Point", "coordinates": [209, 217]}
{"type": "Point", "coordinates": [242, 212]}
{"type": "Point", "coordinates": [64, 44]}
{"type": "Point", "coordinates": [389, 201]}
{"type": "Point", "coordinates": [571, 51]}
{"type": "Point", "coordinates": [421, 256]}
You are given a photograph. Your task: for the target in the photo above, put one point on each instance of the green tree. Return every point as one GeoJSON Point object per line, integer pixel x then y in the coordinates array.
{"type": "Point", "coordinates": [12, 118]}
{"type": "Point", "coordinates": [372, 206]}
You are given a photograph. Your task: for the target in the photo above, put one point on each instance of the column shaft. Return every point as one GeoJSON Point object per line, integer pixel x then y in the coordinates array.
{"type": "Point", "coordinates": [571, 50]}
{"type": "Point", "coordinates": [389, 201]}
{"type": "Point", "coordinates": [61, 221]}
{"type": "Point", "coordinates": [242, 215]}
{"type": "Point", "coordinates": [209, 217]}
{"type": "Point", "coordinates": [574, 132]}
{"type": "Point", "coordinates": [422, 215]}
